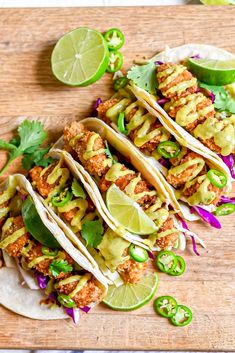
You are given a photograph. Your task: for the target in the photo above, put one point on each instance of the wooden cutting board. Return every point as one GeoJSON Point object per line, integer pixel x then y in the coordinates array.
{"type": "Point", "coordinates": [28, 89]}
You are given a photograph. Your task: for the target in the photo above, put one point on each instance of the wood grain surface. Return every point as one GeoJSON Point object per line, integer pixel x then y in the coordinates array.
{"type": "Point", "coordinates": [28, 89]}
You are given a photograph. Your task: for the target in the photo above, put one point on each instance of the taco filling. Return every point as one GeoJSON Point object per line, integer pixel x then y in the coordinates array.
{"type": "Point", "coordinates": [77, 210]}
{"type": "Point", "coordinates": [64, 281]}
{"type": "Point", "coordinates": [187, 171]}
{"type": "Point", "coordinates": [93, 152]}
{"type": "Point", "coordinates": [192, 109]}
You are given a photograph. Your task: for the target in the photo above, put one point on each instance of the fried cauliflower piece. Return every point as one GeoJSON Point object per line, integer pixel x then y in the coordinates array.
{"type": "Point", "coordinates": [89, 293]}
{"type": "Point", "coordinates": [40, 181]}
{"type": "Point", "coordinates": [132, 271]}
{"type": "Point", "coordinates": [178, 180]}
{"type": "Point", "coordinates": [96, 165]}
{"type": "Point", "coordinates": [104, 106]}
{"type": "Point", "coordinates": [198, 110]}
{"type": "Point", "coordinates": [15, 249]}
{"type": "Point", "coordinates": [44, 265]}
{"type": "Point", "coordinates": [169, 80]}
{"type": "Point", "coordinates": [168, 240]}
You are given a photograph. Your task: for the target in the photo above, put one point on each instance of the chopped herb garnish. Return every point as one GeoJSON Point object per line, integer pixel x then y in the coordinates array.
{"type": "Point", "coordinates": [58, 266]}
{"type": "Point", "coordinates": [108, 153]}
{"type": "Point", "coordinates": [30, 137]}
{"type": "Point", "coordinates": [144, 76]}
{"type": "Point", "coordinates": [223, 100]}
{"type": "Point", "coordinates": [92, 232]}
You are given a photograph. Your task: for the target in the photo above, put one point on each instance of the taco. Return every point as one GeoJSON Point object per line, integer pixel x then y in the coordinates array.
{"type": "Point", "coordinates": [72, 203]}
{"type": "Point", "coordinates": [109, 160]}
{"type": "Point", "coordinates": [36, 252]}
{"type": "Point", "coordinates": [198, 179]}
{"type": "Point", "coordinates": [192, 107]}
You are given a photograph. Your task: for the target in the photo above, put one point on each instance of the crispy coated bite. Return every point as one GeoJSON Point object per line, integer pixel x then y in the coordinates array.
{"type": "Point", "coordinates": [44, 265]}
{"type": "Point", "coordinates": [179, 179]}
{"type": "Point", "coordinates": [197, 110]}
{"type": "Point", "coordinates": [176, 76]}
{"type": "Point", "coordinates": [192, 189]}
{"type": "Point", "coordinates": [83, 141]}
{"type": "Point", "coordinates": [104, 106]}
{"type": "Point", "coordinates": [152, 144]}
{"type": "Point", "coordinates": [40, 181]}
{"type": "Point", "coordinates": [132, 271]}
{"type": "Point", "coordinates": [89, 293]}
{"type": "Point", "coordinates": [168, 240]}
{"type": "Point", "coordinates": [14, 249]}
{"type": "Point", "coordinates": [121, 182]}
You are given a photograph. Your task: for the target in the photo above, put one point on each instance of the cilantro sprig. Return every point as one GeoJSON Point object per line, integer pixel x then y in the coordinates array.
{"type": "Point", "coordinates": [92, 232]}
{"type": "Point", "coordinates": [223, 100]}
{"type": "Point", "coordinates": [58, 266]}
{"type": "Point", "coordinates": [108, 153]}
{"type": "Point", "coordinates": [27, 142]}
{"type": "Point", "coordinates": [144, 76]}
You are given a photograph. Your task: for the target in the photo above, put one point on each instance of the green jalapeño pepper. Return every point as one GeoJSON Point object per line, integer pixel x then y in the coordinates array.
{"type": "Point", "coordinates": [179, 268]}
{"type": "Point", "coordinates": [138, 254]}
{"type": "Point", "coordinates": [121, 123]}
{"type": "Point", "coordinates": [217, 178]}
{"type": "Point", "coordinates": [166, 261]}
{"type": "Point", "coordinates": [166, 306]}
{"type": "Point", "coordinates": [66, 301]}
{"type": "Point", "coordinates": [120, 82]}
{"type": "Point", "coordinates": [225, 209]}
{"type": "Point", "coordinates": [169, 149]}
{"type": "Point", "coordinates": [115, 61]}
{"type": "Point", "coordinates": [62, 199]}
{"type": "Point", "coordinates": [182, 317]}
{"type": "Point", "coordinates": [49, 252]}
{"type": "Point", "coordinates": [114, 38]}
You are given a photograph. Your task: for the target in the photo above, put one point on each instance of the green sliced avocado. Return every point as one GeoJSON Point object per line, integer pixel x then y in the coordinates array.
{"type": "Point", "coordinates": [35, 226]}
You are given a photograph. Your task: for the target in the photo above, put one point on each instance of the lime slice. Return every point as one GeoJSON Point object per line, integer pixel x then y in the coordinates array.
{"type": "Point", "coordinates": [217, 2]}
{"type": "Point", "coordinates": [128, 213]}
{"type": "Point", "coordinates": [213, 72]}
{"type": "Point", "coordinates": [80, 57]}
{"type": "Point", "coordinates": [131, 296]}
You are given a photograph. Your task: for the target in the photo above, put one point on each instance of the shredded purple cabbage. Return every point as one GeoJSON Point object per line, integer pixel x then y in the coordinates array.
{"type": "Point", "coordinates": [212, 96]}
{"type": "Point", "coordinates": [185, 226]}
{"type": "Point", "coordinates": [194, 245]}
{"type": "Point", "coordinates": [86, 309]}
{"type": "Point", "coordinates": [164, 162]}
{"type": "Point", "coordinates": [73, 313]}
{"type": "Point", "coordinates": [206, 216]}
{"type": "Point", "coordinates": [225, 199]}
{"type": "Point", "coordinates": [158, 62]}
{"type": "Point", "coordinates": [41, 279]}
{"type": "Point", "coordinates": [52, 296]}
{"type": "Point", "coordinates": [196, 56]}
{"type": "Point", "coordinates": [162, 101]}
{"type": "Point", "coordinates": [95, 106]}
{"type": "Point", "coordinates": [151, 256]}
{"type": "Point", "coordinates": [23, 197]}
{"type": "Point", "coordinates": [229, 161]}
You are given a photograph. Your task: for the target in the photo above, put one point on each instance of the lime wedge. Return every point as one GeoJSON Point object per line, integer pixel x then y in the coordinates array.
{"type": "Point", "coordinates": [80, 57]}
{"type": "Point", "coordinates": [213, 72]}
{"type": "Point", "coordinates": [128, 213]}
{"type": "Point", "coordinates": [131, 296]}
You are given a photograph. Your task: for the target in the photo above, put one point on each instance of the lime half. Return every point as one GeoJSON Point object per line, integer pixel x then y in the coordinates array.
{"type": "Point", "coordinates": [213, 72]}
{"type": "Point", "coordinates": [80, 57]}
{"type": "Point", "coordinates": [131, 296]}
{"type": "Point", "coordinates": [128, 213]}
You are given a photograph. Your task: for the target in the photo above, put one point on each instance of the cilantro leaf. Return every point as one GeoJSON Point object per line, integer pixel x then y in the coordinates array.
{"type": "Point", "coordinates": [108, 153]}
{"type": "Point", "coordinates": [77, 189]}
{"type": "Point", "coordinates": [144, 76]}
{"type": "Point", "coordinates": [92, 232]}
{"type": "Point", "coordinates": [6, 145]}
{"type": "Point", "coordinates": [37, 158]}
{"type": "Point", "coordinates": [58, 266]}
{"type": "Point", "coordinates": [223, 100]}
{"type": "Point", "coordinates": [30, 137]}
